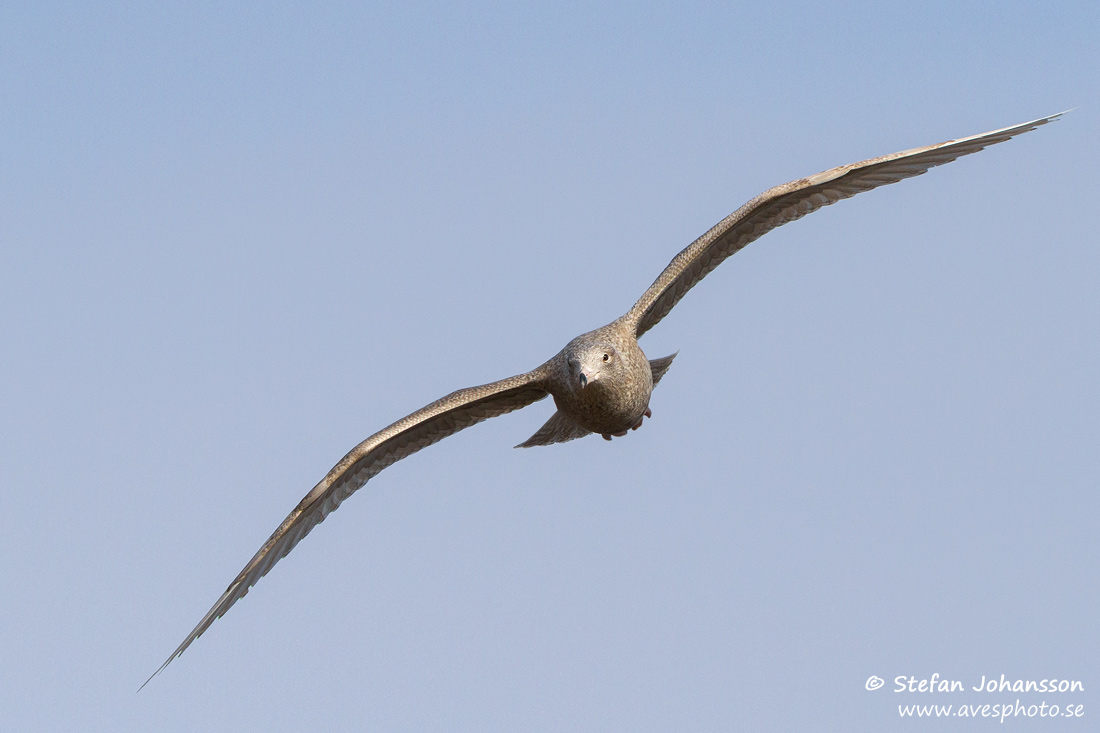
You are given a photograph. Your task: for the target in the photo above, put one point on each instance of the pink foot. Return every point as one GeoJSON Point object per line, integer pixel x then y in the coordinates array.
{"type": "Point", "coordinates": [647, 413]}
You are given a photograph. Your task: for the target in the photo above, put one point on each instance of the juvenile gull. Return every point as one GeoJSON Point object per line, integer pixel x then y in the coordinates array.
{"type": "Point", "coordinates": [601, 381]}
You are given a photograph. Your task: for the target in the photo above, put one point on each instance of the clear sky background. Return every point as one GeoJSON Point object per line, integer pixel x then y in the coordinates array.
{"type": "Point", "coordinates": [235, 241]}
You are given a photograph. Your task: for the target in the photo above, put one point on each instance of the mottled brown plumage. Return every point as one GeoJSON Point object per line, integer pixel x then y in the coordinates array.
{"type": "Point", "coordinates": [601, 381]}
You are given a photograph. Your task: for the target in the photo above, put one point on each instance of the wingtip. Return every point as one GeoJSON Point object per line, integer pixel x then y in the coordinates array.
{"type": "Point", "coordinates": [159, 670]}
{"type": "Point", "coordinates": [1028, 126]}
{"type": "Point", "coordinates": [1044, 120]}
{"type": "Point", "coordinates": [1053, 117]}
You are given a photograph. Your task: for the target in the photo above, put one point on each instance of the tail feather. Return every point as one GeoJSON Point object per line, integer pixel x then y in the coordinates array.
{"type": "Point", "coordinates": [660, 366]}
{"type": "Point", "coordinates": [558, 429]}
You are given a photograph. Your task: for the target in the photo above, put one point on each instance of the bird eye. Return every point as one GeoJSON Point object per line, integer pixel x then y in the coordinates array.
{"type": "Point", "coordinates": [607, 357]}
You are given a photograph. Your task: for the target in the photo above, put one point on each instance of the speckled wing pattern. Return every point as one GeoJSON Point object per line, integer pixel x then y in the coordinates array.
{"type": "Point", "coordinates": [422, 428]}
{"type": "Point", "coordinates": [792, 201]}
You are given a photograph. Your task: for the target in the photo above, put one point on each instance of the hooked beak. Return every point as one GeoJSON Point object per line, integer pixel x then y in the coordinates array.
{"type": "Point", "coordinates": [583, 374]}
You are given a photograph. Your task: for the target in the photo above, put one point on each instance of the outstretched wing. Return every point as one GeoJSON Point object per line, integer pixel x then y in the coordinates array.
{"type": "Point", "coordinates": [422, 428]}
{"type": "Point", "coordinates": [791, 201]}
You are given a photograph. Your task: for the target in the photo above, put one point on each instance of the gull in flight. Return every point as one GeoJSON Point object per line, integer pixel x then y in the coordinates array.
{"type": "Point", "coordinates": [601, 381]}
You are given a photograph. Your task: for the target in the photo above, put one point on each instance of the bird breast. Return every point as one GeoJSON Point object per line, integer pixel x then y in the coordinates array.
{"type": "Point", "coordinates": [614, 402]}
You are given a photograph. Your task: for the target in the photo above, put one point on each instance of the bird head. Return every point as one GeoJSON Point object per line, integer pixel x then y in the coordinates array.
{"type": "Point", "coordinates": [591, 363]}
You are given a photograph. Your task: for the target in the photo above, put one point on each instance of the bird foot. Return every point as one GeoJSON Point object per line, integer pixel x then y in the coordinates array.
{"type": "Point", "coordinates": [647, 413]}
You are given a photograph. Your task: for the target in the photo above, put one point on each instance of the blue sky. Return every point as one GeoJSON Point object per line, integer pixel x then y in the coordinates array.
{"type": "Point", "coordinates": [235, 241]}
